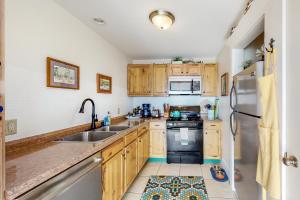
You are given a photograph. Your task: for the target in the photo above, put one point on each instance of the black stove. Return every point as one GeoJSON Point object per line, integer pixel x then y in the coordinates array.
{"type": "Point", "coordinates": [185, 135]}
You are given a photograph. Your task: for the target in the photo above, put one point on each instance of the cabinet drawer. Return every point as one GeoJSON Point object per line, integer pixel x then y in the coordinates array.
{"type": "Point", "coordinates": [143, 129]}
{"type": "Point", "coordinates": [130, 137]}
{"type": "Point", "coordinates": [212, 126]}
{"type": "Point", "coordinates": [111, 150]}
{"type": "Point", "coordinates": [158, 125]}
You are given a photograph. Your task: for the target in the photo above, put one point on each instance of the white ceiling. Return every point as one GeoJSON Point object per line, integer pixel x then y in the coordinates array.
{"type": "Point", "coordinates": [199, 30]}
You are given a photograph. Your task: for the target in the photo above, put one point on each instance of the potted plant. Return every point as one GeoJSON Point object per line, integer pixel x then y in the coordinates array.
{"type": "Point", "coordinates": [177, 60]}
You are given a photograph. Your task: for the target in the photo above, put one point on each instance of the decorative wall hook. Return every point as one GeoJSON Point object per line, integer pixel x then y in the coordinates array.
{"type": "Point", "coordinates": [271, 44]}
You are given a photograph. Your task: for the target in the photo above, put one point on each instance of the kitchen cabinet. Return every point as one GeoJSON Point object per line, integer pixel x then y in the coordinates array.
{"type": "Point", "coordinates": [212, 139]}
{"type": "Point", "coordinates": [160, 80]}
{"type": "Point", "coordinates": [143, 149]}
{"type": "Point", "coordinates": [143, 146]}
{"type": "Point", "coordinates": [158, 139]}
{"type": "Point", "coordinates": [185, 70]}
{"type": "Point", "coordinates": [131, 164]}
{"type": "Point", "coordinates": [139, 80]}
{"type": "Point", "coordinates": [209, 80]}
{"type": "Point", "coordinates": [113, 175]}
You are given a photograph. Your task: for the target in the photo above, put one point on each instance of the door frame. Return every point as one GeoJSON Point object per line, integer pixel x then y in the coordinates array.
{"type": "Point", "coordinates": [2, 116]}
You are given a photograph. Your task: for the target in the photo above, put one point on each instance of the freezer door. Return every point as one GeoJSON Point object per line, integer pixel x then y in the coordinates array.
{"type": "Point", "coordinates": [246, 90]}
{"type": "Point", "coordinates": [246, 151]}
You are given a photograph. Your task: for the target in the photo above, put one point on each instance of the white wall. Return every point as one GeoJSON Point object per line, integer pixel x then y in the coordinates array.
{"type": "Point", "coordinates": [37, 29]}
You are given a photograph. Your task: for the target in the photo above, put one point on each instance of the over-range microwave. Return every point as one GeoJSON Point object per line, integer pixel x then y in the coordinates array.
{"type": "Point", "coordinates": [185, 85]}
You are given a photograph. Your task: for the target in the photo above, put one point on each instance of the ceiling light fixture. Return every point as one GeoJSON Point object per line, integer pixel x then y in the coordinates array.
{"type": "Point", "coordinates": [99, 21]}
{"type": "Point", "coordinates": [162, 19]}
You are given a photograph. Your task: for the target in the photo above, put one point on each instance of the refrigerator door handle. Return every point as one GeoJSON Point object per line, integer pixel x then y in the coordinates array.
{"type": "Point", "coordinates": [233, 92]}
{"type": "Point", "coordinates": [233, 126]}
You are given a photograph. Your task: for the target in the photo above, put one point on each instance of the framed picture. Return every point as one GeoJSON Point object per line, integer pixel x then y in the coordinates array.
{"type": "Point", "coordinates": [224, 85]}
{"type": "Point", "coordinates": [104, 84]}
{"type": "Point", "coordinates": [61, 74]}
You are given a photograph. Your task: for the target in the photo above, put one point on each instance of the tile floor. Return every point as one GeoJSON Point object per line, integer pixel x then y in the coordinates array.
{"type": "Point", "coordinates": [216, 190]}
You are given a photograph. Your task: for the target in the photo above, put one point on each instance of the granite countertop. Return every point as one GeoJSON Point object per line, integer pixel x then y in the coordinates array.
{"type": "Point", "coordinates": [26, 170]}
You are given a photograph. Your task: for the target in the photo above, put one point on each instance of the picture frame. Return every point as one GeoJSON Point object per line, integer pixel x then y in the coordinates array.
{"type": "Point", "coordinates": [61, 74]}
{"type": "Point", "coordinates": [104, 84]}
{"type": "Point", "coordinates": [224, 85]}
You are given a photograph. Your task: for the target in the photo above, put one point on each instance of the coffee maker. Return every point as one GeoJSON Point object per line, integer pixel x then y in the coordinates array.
{"type": "Point", "coordinates": [146, 110]}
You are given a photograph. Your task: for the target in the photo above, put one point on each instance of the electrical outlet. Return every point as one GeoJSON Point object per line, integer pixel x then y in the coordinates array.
{"type": "Point", "coordinates": [11, 127]}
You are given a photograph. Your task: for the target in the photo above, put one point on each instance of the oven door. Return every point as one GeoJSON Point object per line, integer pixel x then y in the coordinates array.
{"type": "Point", "coordinates": [175, 142]}
{"type": "Point", "coordinates": [185, 85]}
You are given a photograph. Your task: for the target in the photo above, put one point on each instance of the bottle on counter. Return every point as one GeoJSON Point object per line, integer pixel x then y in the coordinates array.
{"type": "Point", "coordinates": [108, 118]}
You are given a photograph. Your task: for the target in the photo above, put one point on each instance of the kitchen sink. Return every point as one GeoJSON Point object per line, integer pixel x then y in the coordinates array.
{"type": "Point", "coordinates": [89, 136]}
{"type": "Point", "coordinates": [112, 128]}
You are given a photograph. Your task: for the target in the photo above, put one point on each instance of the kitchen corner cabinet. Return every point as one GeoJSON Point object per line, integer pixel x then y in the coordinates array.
{"type": "Point", "coordinates": [160, 80]}
{"type": "Point", "coordinates": [139, 79]}
{"type": "Point", "coordinates": [212, 139]}
{"type": "Point", "coordinates": [112, 179]}
{"type": "Point", "coordinates": [209, 80]}
{"type": "Point", "coordinates": [158, 139]}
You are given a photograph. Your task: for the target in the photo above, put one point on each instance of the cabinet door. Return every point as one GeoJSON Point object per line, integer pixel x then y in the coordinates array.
{"type": "Point", "coordinates": [130, 164]}
{"type": "Point", "coordinates": [157, 143]}
{"type": "Point", "coordinates": [139, 80]}
{"type": "Point", "coordinates": [210, 80]}
{"type": "Point", "coordinates": [146, 80]}
{"type": "Point", "coordinates": [160, 80]}
{"type": "Point", "coordinates": [193, 69]}
{"type": "Point", "coordinates": [112, 180]}
{"type": "Point", "coordinates": [146, 146]}
{"type": "Point", "coordinates": [140, 152]}
{"type": "Point", "coordinates": [176, 70]}
{"type": "Point", "coordinates": [211, 144]}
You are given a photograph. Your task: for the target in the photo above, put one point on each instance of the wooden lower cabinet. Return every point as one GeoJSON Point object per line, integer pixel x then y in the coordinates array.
{"type": "Point", "coordinates": [123, 160]}
{"type": "Point", "coordinates": [158, 139]}
{"type": "Point", "coordinates": [112, 177]}
{"type": "Point", "coordinates": [131, 164]}
{"type": "Point", "coordinates": [143, 149]}
{"type": "Point", "coordinates": [212, 140]}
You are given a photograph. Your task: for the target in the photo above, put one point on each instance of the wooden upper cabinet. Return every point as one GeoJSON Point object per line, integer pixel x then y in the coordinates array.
{"type": "Point", "coordinates": [209, 80]}
{"type": "Point", "coordinates": [176, 70]}
{"type": "Point", "coordinates": [185, 70]}
{"type": "Point", "coordinates": [160, 80]}
{"type": "Point", "coordinates": [193, 69]}
{"type": "Point", "coordinates": [139, 80]}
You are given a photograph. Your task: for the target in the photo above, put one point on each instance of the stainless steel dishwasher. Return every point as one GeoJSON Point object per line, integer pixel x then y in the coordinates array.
{"type": "Point", "coordinates": [80, 182]}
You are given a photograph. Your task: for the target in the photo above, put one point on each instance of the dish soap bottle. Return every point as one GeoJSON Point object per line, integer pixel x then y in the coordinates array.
{"type": "Point", "coordinates": [108, 118]}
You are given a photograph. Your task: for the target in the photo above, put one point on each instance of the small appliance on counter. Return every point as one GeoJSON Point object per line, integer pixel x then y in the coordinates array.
{"type": "Point", "coordinates": [155, 113]}
{"type": "Point", "coordinates": [146, 110]}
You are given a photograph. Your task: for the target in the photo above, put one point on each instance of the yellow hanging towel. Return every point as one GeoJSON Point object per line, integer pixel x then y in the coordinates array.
{"type": "Point", "coordinates": [268, 164]}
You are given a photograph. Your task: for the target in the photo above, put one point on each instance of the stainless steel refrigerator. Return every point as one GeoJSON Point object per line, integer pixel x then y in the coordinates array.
{"type": "Point", "coordinates": [244, 121]}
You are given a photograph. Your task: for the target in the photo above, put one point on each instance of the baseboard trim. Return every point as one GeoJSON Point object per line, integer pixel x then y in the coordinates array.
{"type": "Point", "coordinates": [212, 161]}
{"type": "Point", "coordinates": [157, 160]}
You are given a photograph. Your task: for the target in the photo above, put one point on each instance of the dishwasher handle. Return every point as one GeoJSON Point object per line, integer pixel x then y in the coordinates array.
{"type": "Point", "coordinates": [62, 182]}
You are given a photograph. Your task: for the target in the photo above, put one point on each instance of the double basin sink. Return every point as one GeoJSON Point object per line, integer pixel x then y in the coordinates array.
{"type": "Point", "coordinates": [96, 135]}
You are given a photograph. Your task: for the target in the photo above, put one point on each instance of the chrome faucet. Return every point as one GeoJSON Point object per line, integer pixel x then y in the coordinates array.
{"type": "Point", "coordinates": [93, 125]}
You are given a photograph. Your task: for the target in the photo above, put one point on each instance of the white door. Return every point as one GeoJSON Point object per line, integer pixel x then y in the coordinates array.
{"type": "Point", "coordinates": [292, 99]}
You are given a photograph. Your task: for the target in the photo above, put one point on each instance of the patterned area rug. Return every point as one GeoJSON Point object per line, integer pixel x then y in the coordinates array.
{"type": "Point", "coordinates": [175, 188]}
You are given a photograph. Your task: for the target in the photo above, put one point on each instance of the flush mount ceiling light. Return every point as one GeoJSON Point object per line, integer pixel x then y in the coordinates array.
{"type": "Point", "coordinates": [162, 19]}
{"type": "Point", "coordinates": [99, 21]}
